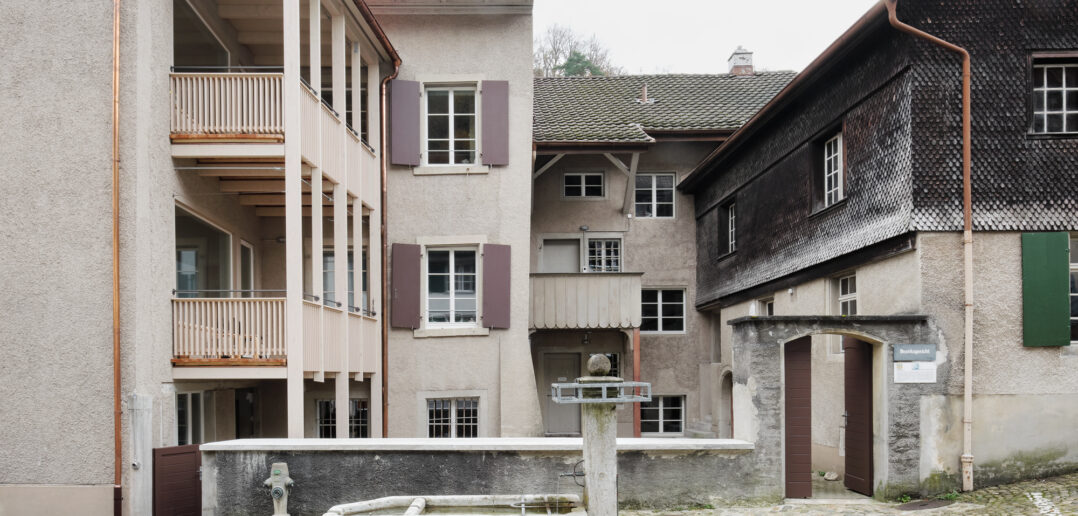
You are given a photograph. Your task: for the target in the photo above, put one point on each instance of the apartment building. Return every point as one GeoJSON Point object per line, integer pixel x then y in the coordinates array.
{"type": "Point", "coordinates": [248, 223]}
{"type": "Point", "coordinates": [613, 255]}
{"type": "Point", "coordinates": [831, 251]}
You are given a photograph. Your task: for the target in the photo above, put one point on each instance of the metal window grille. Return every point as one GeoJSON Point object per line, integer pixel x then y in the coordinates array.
{"type": "Point", "coordinates": [326, 418]}
{"type": "Point", "coordinates": [583, 185]}
{"type": "Point", "coordinates": [654, 196]}
{"type": "Point", "coordinates": [453, 417]}
{"type": "Point", "coordinates": [604, 255]}
{"type": "Point", "coordinates": [663, 415]}
{"type": "Point", "coordinates": [451, 287]}
{"type": "Point", "coordinates": [1055, 98]}
{"type": "Point", "coordinates": [662, 310]}
{"type": "Point", "coordinates": [832, 170]}
{"type": "Point", "coordinates": [615, 363]}
{"type": "Point", "coordinates": [451, 136]}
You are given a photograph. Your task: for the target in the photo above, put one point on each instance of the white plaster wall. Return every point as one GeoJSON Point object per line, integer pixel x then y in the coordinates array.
{"type": "Point", "coordinates": [663, 249]}
{"type": "Point", "coordinates": [496, 205]}
{"type": "Point", "coordinates": [55, 259]}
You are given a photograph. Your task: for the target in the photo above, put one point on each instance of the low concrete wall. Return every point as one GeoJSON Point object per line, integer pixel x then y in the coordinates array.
{"type": "Point", "coordinates": [651, 472]}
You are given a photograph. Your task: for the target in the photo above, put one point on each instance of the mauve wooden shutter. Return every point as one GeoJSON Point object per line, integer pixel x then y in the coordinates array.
{"type": "Point", "coordinates": [1046, 289]}
{"type": "Point", "coordinates": [404, 312]}
{"type": "Point", "coordinates": [496, 261]}
{"type": "Point", "coordinates": [495, 143]}
{"type": "Point", "coordinates": [404, 122]}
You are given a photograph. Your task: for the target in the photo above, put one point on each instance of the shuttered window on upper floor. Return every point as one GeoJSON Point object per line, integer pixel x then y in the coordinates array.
{"type": "Point", "coordinates": [458, 124]}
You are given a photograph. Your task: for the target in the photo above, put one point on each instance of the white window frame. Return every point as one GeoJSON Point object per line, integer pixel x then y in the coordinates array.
{"type": "Point", "coordinates": [662, 413]}
{"type": "Point", "coordinates": [850, 297]}
{"type": "Point", "coordinates": [189, 427]}
{"type": "Point", "coordinates": [583, 186]}
{"type": "Point", "coordinates": [329, 277]}
{"type": "Point", "coordinates": [731, 227]}
{"type": "Point", "coordinates": [454, 407]}
{"type": "Point", "coordinates": [1065, 109]}
{"type": "Point", "coordinates": [659, 310]}
{"type": "Point", "coordinates": [356, 425]}
{"type": "Point", "coordinates": [604, 256]}
{"type": "Point", "coordinates": [452, 288]}
{"type": "Point", "coordinates": [451, 88]}
{"type": "Point", "coordinates": [653, 189]}
{"type": "Point", "coordinates": [767, 306]}
{"type": "Point", "coordinates": [833, 171]}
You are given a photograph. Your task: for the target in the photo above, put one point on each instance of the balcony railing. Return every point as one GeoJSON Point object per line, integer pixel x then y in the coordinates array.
{"type": "Point", "coordinates": [585, 300]}
{"type": "Point", "coordinates": [221, 105]}
{"type": "Point", "coordinates": [228, 330]}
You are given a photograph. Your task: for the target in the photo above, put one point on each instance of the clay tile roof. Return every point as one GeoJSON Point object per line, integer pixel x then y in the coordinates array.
{"type": "Point", "coordinates": [608, 109]}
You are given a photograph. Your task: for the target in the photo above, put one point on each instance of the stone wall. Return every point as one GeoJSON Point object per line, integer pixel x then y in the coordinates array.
{"type": "Point", "coordinates": [651, 472]}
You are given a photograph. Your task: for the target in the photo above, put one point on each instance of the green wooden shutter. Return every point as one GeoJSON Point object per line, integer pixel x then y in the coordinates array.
{"type": "Point", "coordinates": [1046, 289]}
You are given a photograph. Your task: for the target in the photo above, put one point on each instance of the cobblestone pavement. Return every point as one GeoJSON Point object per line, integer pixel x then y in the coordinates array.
{"type": "Point", "coordinates": [1054, 496]}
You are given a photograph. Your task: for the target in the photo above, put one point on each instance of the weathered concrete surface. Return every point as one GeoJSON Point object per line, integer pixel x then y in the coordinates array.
{"type": "Point", "coordinates": [345, 471]}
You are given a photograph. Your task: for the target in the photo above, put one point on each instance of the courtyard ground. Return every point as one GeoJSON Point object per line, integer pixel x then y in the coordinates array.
{"type": "Point", "coordinates": [1049, 496]}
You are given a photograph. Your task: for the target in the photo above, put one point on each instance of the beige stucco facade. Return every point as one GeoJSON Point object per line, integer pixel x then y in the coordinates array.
{"type": "Point", "coordinates": [1024, 397]}
{"type": "Point", "coordinates": [663, 249]}
{"type": "Point", "coordinates": [441, 207]}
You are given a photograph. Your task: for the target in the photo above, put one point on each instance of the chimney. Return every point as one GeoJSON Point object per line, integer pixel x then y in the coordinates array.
{"type": "Point", "coordinates": [740, 62]}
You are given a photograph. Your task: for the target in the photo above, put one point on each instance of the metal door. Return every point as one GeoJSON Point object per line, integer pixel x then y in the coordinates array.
{"type": "Point", "coordinates": [798, 367]}
{"type": "Point", "coordinates": [560, 368]}
{"type": "Point", "coordinates": [177, 486]}
{"type": "Point", "coordinates": [560, 256]}
{"type": "Point", "coordinates": [858, 380]}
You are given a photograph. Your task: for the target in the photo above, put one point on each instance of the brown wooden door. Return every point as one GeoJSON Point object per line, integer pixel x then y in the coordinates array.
{"type": "Point", "coordinates": [858, 379]}
{"type": "Point", "coordinates": [798, 367]}
{"type": "Point", "coordinates": [177, 488]}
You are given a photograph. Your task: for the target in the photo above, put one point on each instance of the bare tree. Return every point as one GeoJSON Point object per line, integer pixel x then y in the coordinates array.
{"type": "Point", "coordinates": [553, 48]}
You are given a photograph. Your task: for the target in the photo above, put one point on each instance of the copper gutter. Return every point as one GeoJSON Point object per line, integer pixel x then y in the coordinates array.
{"type": "Point", "coordinates": [383, 138]}
{"type": "Point", "coordinates": [117, 485]}
{"type": "Point", "coordinates": [967, 240]}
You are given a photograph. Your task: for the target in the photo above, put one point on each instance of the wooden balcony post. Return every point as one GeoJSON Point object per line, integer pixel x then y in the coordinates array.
{"type": "Point", "coordinates": [293, 220]}
{"type": "Point", "coordinates": [314, 46]}
{"type": "Point", "coordinates": [340, 99]}
{"type": "Point", "coordinates": [317, 287]}
{"type": "Point", "coordinates": [340, 286]}
{"type": "Point", "coordinates": [357, 96]}
{"type": "Point", "coordinates": [374, 108]}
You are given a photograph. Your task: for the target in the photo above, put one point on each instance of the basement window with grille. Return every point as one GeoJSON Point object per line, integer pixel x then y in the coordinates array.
{"type": "Point", "coordinates": [454, 417]}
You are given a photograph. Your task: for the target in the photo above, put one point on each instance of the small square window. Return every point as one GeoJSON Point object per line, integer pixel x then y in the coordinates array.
{"type": "Point", "coordinates": [1055, 97]}
{"type": "Point", "coordinates": [453, 417]}
{"type": "Point", "coordinates": [583, 185]}
{"type": "Point", "coordinates": [663, 415]}
{"type": "Point", "coordinates": [604, 255]}
{"type": "Point", "coordinates": [662, 310]}
{"type": "Point", "coordinates": [654, 196]}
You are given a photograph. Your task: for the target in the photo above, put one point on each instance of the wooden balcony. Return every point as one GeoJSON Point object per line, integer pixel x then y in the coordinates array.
{"type": "Point", "coordinates": [585, 300]}
{"type": "Point", "coordinates": [228, 332]}
{"type": "Point", "coordinates": [226, 107]}
{"type": "Point", "coordinates": [251, 332]}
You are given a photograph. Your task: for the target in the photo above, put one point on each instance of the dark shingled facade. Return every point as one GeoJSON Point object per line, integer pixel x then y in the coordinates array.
{"type": "Point", "coordinates": [898, 101]}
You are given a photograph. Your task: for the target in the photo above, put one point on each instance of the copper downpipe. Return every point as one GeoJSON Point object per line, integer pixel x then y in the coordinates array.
{"type": "Point", "coordinates": [116, 423]}
{"type": "Point", "coordinates": [967, 240]}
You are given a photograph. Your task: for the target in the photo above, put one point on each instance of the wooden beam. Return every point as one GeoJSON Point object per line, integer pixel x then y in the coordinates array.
{"type": "Point", "coordinates": [262, 186]}
{"type": "Point", "coordinates": [547, 166]}
{"type": "Point", "coordinates": [617, 162]}
{"type": "Point", "coordinates": [278, 211]}
{"type": "Point", "coordinates": [276, 200]}
{"type": "Point", "coordinates": [240, 172]}
{"type": "Point", "coordinates": [630, 184]}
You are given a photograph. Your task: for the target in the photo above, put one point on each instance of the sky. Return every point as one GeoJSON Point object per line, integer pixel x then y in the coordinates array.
{"type": "Point", "coordinates": [698, 36]}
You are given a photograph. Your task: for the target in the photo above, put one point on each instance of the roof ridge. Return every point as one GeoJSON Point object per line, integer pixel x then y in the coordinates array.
{"type": "Point", "coordinates": [662, 75]}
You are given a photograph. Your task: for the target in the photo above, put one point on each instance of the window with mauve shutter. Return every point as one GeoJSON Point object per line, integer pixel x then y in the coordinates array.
{"type": "Point", "coordinates": [495, 122]}
{"type": "Point", "coordinates": [404, 122]}
{"type": "Point", "coordinates": [404, 308]}
{"type": "Point", "coordinates": [496, 283]}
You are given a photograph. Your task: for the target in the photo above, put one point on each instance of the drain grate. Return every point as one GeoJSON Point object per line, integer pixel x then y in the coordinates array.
{"type": "Point", "coordinates": [921, 505]}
